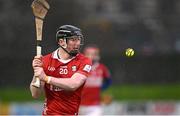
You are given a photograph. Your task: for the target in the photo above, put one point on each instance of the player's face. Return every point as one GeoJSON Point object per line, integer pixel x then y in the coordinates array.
{"type": "Point", "coordinates": [73, 44]}
{"type": "Point", "coordinates": [92, 53]}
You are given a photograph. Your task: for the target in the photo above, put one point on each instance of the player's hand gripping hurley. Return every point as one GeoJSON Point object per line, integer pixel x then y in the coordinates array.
{"type": "Point", "coordinates": [40, 9]}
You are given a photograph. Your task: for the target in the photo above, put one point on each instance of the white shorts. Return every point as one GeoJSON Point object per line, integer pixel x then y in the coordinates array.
{"type": "Point", "coordinates": [94, 110]}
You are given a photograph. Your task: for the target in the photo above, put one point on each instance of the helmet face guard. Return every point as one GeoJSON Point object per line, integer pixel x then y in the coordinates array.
{"type": "Point", "coordinates": [69, 32]}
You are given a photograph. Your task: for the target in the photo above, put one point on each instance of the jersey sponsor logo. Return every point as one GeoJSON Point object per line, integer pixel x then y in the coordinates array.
{"type": "Point", "coordinates": [87, 68]}
{"type": "Point", "coordinates": [55, 88]}
{"type": "Point", "coordinates": [74, 68]}
{"type": "Point", "coordinates": [63, 66]}
{"type": "Point", "coordinates": [50, 68]}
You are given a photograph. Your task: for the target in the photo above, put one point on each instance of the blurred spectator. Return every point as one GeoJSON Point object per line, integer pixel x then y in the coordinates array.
{"type": "Point", "coordinates": [99, 80]}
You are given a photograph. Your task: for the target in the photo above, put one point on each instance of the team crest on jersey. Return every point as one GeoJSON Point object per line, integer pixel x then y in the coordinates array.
{"type": "Point", "coordinates": [74, 68]}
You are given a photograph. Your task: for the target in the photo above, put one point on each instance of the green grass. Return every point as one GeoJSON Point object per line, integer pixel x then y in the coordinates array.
{"type": "Point", "coordinates": [15, 95]}
{"type": "Point", "coordinates": [145, 92]}
{"type": "Point", "coordinates": [121, 93]}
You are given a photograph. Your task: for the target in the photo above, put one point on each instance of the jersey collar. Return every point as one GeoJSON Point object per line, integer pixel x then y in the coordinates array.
{"type": "Point", "coordinates": [55, 56]}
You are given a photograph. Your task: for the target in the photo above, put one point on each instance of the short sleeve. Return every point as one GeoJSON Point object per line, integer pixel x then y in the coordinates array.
{"type": "Point", "coordinates": [45, 60]}
{"type": "Point", "coordinates": [106, 72]}
{"type": "Point", "coordinates": [85, 67]}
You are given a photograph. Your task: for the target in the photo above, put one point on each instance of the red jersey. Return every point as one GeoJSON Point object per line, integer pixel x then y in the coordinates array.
{"type": "Point", "coordinates": [59, 101]}
{"type": "Point", "coordinates": [92, 89]}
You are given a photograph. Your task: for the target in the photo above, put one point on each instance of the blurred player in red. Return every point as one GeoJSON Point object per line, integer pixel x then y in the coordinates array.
{"type": "Point", "coordinates": [98, 80]}
{"type": "Point", "coordinates": [62, 73]}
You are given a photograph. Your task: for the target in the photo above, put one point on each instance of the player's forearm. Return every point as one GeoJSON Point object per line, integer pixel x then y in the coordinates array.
{"type": "Point", "coordinates": [36, 92]}
{"type": "Point", "coordinates": [70, 84]}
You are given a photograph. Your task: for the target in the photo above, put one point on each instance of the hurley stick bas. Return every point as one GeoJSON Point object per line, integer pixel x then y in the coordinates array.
{"type": "Point", "coordinates": [40, 9]}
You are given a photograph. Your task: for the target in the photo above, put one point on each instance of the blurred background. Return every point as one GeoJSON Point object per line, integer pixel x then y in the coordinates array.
{"type": "Point", "coordinates": [147, 83]}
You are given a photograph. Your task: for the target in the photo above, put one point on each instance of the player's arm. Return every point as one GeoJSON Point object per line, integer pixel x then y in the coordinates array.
{"type": "Point", "coordinates": [36, 92]}
{"type": "Point", "coordinates": [70, 84]}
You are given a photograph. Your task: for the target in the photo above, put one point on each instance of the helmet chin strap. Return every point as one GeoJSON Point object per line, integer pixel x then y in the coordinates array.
{"type": "Point", "coordinates": [64, 48]}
